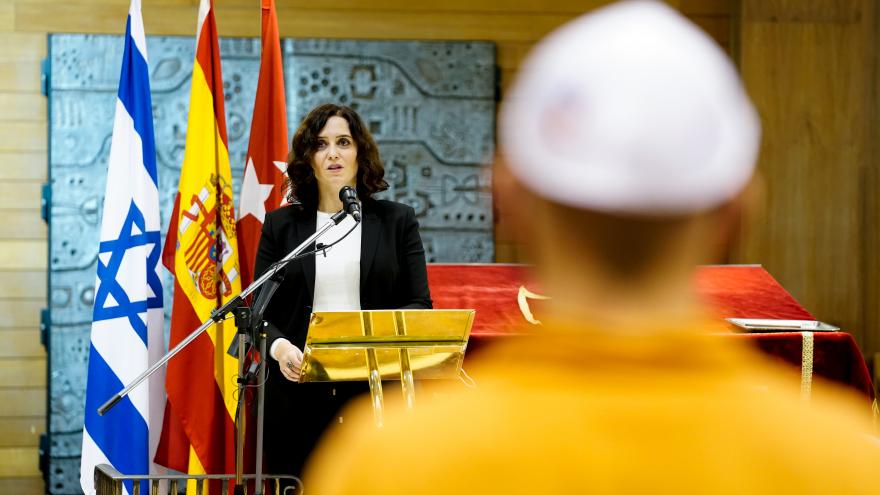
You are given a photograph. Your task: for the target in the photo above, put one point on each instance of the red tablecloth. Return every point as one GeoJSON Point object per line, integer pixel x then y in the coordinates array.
{"type": "Point", "coordinates": [504, 297]}
{"type": "Point", "coordinates": [835, 356]}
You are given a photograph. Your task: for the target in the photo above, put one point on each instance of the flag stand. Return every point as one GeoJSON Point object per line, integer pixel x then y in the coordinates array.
{"type": "Point", "coordinates": [243, 316]}
{"type": "Point", "coordinates": [249, 327]}
{"type": "Point", "coordinates": [249, 323]}
{"type": "Point", "coordinates": [274, 275]}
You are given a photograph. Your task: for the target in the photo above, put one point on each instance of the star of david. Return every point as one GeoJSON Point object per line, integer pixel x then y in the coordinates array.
{"type": "Point", "coordinates": [132, 235]}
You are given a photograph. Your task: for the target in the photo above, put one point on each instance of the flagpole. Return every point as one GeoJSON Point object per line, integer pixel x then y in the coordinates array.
{"type": "Point", "coordinates": [126, 331]}
{"type": "Point", "coordinates": [243, 323]}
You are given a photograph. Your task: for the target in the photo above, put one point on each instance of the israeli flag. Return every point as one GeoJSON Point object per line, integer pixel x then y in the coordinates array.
{"type": "Point", "coordinates": [127, 321]}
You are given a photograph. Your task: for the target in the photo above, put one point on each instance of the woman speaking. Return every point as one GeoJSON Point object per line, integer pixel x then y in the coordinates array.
{"type": "Point", "coordinates": [380, 264]}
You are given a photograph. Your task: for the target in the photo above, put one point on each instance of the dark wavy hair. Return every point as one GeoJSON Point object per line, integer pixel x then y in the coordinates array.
{"type": "Point", "coordinates": [302, 186]}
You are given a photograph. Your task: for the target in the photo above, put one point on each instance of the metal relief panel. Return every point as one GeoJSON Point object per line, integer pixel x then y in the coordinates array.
{"type": "Point", "coordinates": [431, 108]}
{"type": "Point", "coordinates": [80, 116]}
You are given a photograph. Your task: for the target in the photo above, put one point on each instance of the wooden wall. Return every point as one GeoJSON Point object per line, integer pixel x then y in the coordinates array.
{"type": "Point", "coordinates": [513, 24]}
{"type": "Point", "coordinates": [23, 255]}
{"type": "Point", "coordinates": [811, 68]}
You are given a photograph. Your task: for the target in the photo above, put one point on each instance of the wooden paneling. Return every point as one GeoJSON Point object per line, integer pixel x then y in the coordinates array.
{"type": "Point", "coordinates": [23, 136]}
{"type": "Point", "coordinates": [395, 19]}
{"type": "Point", "coordinates": [30, 47]}
{"type": "Point", "coordinates": [24, 373]}
{"type": "Point", "coordinates": [21, 432]}
{"type": "Point", "coordinates": [508, 252]}
{"type": "Point", "coordinates": [21, 344]}
{"type": "Point", "coordinates": [808, 11]}
{"type": "Point", "coordinates": [808, 68]}
{"type": "Point", "coordinates": [509, 55]}
{"type": "Point", "coordinates": [23, 165]}
{"type": "Point", "coordinates": [22, 106]}
{"type": "Point", "coordinates": [22, 402]}
{"type": "Point", "coordinates": [7, 16]}
{"type": "Point", "coordinates": [20, 313]}
{"type": "Point", "coordinates": [32, 485]}
{"type": "Point", "coordinates": [876, 374]}
{"type": "Point", "coordinates": [871, 207]}
{"type": "Point", "coordinates": [20, 76]}
{"type": "Point", "coordinates": [407, 25]}
{"type": "Point", "coordinates": [304, 6]}
{"type": "Point", "coordinates": [23, 255]}
{"type": "Point", "coordinates": [719, 8]}
{"type": "Point", "coordinates": [20, 284]}
{"type": "Point", "coordinates": [717, 27]}
{"type": "Point", "coordinates": [245, 21]}
{"type": "Point", "coordinates": [22, 224]}
{"type": "Point", "coordinates": [16, 462]}
{"type": "Point", "coordinates": [506, 77]}
{"type": "Point", "coordinates": [20, 195]}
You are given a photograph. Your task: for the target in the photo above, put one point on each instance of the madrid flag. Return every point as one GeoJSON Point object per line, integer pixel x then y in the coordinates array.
{"type": "Point", "coordinates": [262, 188]}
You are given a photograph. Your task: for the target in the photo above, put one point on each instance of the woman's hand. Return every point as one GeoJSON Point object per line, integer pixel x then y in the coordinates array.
{"type": "Point", "coordinates": [289, 360]}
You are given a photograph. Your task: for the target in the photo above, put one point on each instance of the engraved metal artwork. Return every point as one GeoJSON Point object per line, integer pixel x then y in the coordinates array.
{"type": "Point", "coordinates": [430, 106]}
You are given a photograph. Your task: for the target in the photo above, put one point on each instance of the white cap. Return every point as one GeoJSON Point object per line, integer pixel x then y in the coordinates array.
{"type": "Point", "coordinates": [633, 110]}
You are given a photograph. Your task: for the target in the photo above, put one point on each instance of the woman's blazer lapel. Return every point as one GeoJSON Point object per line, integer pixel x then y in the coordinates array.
{"type": "Point", "coordinates": [371, 227]}
{"type": "Point", "coordinates": [306, 225]}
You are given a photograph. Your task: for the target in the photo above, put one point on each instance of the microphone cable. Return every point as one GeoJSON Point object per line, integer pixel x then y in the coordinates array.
{"type": "Point", "coordinates": [319, 247]}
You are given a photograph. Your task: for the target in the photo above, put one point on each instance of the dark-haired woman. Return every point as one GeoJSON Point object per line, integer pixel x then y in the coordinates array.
{"type": "Point", "coordinates": [379, 265]}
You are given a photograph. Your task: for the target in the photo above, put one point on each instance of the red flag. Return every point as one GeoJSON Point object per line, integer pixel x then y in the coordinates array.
{"type": "Point", "coordinates": [201, 250]}
{"type": "Point", "coordinates": [262, 188]}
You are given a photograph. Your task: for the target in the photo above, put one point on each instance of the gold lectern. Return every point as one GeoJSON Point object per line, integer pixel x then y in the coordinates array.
{"type": "Point", "coordinates": [405, 345]}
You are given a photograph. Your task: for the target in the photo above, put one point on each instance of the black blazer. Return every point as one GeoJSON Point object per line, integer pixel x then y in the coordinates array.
{"type": "Point", "coordinates": [393, 273]}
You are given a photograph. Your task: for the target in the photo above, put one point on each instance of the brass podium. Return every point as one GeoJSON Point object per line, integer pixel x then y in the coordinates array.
{"type": "Point", "coordinates": [405, 345]}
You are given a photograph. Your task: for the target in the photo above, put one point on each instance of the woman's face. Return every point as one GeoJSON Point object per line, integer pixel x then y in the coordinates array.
{"type": "Point", "coordinates": [335, 159]}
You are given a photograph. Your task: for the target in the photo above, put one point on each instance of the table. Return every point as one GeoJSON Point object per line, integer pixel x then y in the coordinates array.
{"type": "Point", "coordinates": [506, 298]}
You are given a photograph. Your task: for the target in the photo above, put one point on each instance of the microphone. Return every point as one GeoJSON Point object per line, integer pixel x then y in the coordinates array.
{"type": "Point", "coordinates": [350, 204]}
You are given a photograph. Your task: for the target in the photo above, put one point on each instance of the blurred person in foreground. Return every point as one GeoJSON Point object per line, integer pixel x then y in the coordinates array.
{"type": "Point", "coordinates": [629, 147]}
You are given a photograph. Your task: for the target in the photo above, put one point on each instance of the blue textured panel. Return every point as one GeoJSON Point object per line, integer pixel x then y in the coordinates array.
{"type": "Point", "coordinates": [430, 105]}
{"type": "Point", "coordinates": [431, 108]}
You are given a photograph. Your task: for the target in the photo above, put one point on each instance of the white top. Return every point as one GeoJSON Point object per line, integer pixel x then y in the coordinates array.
{"type": "Point", "coordinates": [338, 273]}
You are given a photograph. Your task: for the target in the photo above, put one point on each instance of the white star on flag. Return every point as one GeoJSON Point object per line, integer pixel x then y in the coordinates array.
{"type": "Point", "coordinates": [253, 194]}
{"type": "Point", "coordinates": [282, 167]}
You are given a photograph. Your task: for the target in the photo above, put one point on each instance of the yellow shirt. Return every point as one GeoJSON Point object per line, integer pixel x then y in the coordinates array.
{"type": "Point", "coordinates": [578, 412]}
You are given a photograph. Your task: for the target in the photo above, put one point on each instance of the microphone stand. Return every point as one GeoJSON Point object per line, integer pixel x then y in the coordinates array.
{"type": "Point", "coordinates": [258, 326]}
{"type": "Point", "coordinates": [274, 274]}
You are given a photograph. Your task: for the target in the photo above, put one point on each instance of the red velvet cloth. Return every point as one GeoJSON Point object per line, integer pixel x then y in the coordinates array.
{"type": "Point", "coordinates": [836, 356]}
{"type": "Point", "coordinates": [491, 289]}
{"type": "Point", "coordinates": [747, 291]}
{"type": "Point", "coordinates": [731, 291]}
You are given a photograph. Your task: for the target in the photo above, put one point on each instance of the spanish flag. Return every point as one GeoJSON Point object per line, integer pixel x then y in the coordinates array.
{"type": "Point", "coordinates": [201, 250]}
